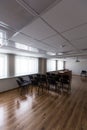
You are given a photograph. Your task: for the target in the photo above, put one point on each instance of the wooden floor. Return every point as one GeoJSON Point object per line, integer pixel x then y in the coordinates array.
{"type": "Point", "coordinates": [47, 111]}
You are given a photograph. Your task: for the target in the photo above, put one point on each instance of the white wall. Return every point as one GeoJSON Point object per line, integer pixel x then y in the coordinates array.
{"type": "Point", "coordinates": [76, 67]}
{"type": "Point", "coordinates": [7, 84]}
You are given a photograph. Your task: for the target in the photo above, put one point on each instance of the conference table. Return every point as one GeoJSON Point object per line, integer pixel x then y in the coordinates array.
{"type": "Point", "coordinates": [65, 72]}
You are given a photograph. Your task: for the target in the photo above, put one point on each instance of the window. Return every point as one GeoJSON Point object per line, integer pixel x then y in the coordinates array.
{"type": "Point", "coordinates": [59, 65]}
{"type": "Point", "coordinates": [3, 65]}
{"type": "Point", "coordinates": [51, 53]}
{"type": "Point", "coordinates": [33, 65]}
{"type": "Point", "coordinates": [51, 65]}
{"type": "Point", "coordinates": [25, 65]}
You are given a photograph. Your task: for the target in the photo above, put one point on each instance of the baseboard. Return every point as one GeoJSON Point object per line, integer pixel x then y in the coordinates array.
{"type": "Point", "coordinates": [75, 75]}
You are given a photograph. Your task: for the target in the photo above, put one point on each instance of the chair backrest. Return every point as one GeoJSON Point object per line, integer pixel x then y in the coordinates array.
{"type": "Point", "coordinates": [43, 76]}
{"type": "Point", "coordinates": [30, 76]}
{"type": "Point", "coordinates": [51, 81]}
{"type": "Point", "coordinates": [18, 82]}
{"type": "Point", "coordinates": [83, 72]}
{"type": "Point", "coordinates": [47, 73]}
{"type": "Point", "coordinates": [20, 79]}
{"type": "Point", "coordinates": [66, 79]}
{"type": "Point", "coordinates": [57, 78]}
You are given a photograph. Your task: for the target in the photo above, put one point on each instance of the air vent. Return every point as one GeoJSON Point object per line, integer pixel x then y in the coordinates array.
{"type": "Point", "coordinates": [66, 52]}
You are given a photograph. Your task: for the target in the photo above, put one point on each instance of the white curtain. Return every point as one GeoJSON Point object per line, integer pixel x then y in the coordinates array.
{"type": "Point", "coordinates": [51, 65]}
{"type": "Point", "coordinates": [3, 65]}
{"type": "Point", "coordinates": [25, 65]}
{"type": "Point", "coordinates": [60, 65]}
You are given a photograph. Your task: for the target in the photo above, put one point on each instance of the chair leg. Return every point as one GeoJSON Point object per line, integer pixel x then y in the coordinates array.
{"type": "Point", "coordinates": [38, 87]}
{"type": "Point", "coordinates": [31, 88]}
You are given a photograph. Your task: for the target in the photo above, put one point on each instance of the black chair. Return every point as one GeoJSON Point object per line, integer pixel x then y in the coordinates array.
{"type": "Point", "coordinates": [58, 80]}
{"type": "Point", "coordinates": [48, 74]}
{"type": "Point", "coordinates": [37, 78]}
{"type": "Point", "coordinates": [42, 83]}
{"type": "Point", "coordinates": [23, 86]}
{"type": "Point", "coordinates": [52, 74]}
{"type": "Point", "coordinates": [66, 82]}
{"type": "Point", "coordinates": [33, 80]}
{"type": "Point", "coordinates": [52, 83]}
{"type": "Point", "coordinates": [83, 73]}
{"type": "Point", "coordinates": [23, 80]}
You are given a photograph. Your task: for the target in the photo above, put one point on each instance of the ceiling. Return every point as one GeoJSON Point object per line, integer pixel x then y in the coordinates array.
{"type": "Point", "coordinates": [58, 26]}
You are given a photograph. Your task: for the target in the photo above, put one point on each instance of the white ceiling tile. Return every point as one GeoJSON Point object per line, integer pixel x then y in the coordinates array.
{"type": "Point", "coordinates": [12, 14]}
{"type": "Point", "coordinates": [20, 38]}
{"type": "Point", "coordinates": [43, 46]}
{"type": "Point", "coordinates": [67, 14]}
{"type": "Point", "coordinates": [55, 40]}
{"type": "Point", "coordinates": [81, 43]}
{"type": "Point", "coordinates": [39, 5]}
{"type": "Point", "coordinates": [64, 17]}
{"type": "Point", "coordinates": [66, 48]}
{"type": "Point", "coordinates": [38, 29]}
{"type": "Point", "coordinates": [76, 33]}
{"type": "Point", "coordinates": [49, 46]}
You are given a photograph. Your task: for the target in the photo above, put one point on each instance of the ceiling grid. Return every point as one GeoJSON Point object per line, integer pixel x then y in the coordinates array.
{"type": "Point", "coordinates": [50, 25]}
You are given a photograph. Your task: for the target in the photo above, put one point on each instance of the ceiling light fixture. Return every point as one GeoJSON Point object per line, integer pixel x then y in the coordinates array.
{"type": "Point", "coordinates": [60, 53]}
{"type": "Point", "coordinates": [32, 49]}
{"type": "Point", "coordinates": [51, 53]}
{"type": "Point", "coordinates": [21, 46]}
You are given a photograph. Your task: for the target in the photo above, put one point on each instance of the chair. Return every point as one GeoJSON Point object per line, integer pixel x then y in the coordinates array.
{"type": "Point", "coordinates": [83, 73]}
{"type": "Point", "coordinates": [51, 83]}
{"type": "Point", "coordinates": [52, 74]}
{"type": "Point", "coordinates": [23, 86]}
{"type": "Point", "coordinates": [66, 80]}
{"type": "Point", "coordinates": [33, 80]}
{"type": "Point", "coordinates": [58, 79]}
{"type": "Point", "coordinates": [42, 83]}
{"type": "Point", "coordinates": [48, 73]}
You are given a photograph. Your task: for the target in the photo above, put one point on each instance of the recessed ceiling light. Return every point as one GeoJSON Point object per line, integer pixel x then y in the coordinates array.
{"type": "Point", "coordinates": [60, 53]}
{"type": "Point", "coordinates": [33, 49]}
{"type": "Point", "coordinates": [51, 53]}
{"type": "Point", "coordinates": [21, 46]}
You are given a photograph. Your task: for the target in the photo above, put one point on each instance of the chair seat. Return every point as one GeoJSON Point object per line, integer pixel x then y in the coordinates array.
{"type": "Point", "coordinates": [24, 84]}
{"type": "Point", "coordinates": [83, 73]}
